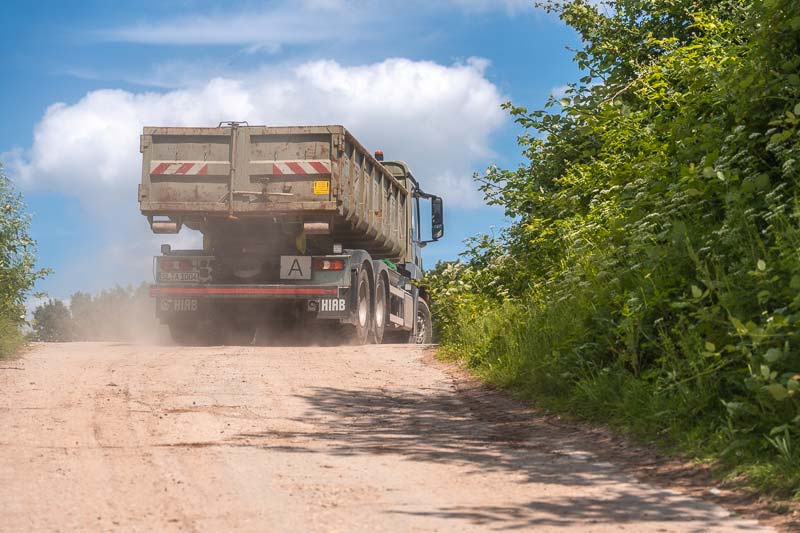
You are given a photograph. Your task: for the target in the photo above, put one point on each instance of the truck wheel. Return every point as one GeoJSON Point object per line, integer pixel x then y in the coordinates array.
{"type": "Point", "coordinates": [358, 333]}
{"type": "Point", "coordinates": [424, 326]}
{"type": "Point", "coordinates": [240, 334]}
{"type": "Point", "coordinates": [381, 314]}
{"type": "Point", "coordinates": [182, 333]}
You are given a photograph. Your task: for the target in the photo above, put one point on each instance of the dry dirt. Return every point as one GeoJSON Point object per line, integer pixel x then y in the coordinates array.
{"type": "Point", "coordinates": [99, 436]}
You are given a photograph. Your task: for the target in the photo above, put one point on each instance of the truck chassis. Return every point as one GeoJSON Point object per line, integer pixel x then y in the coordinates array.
{"type": "Point", "coordinates": [369, 302]}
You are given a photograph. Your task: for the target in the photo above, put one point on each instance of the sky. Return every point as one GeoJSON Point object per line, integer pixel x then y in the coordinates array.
{"type": "Point", "coordinates": [423, 81]}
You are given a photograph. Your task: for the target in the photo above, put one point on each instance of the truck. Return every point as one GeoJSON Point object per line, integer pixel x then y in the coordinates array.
{"type": "Point", "coordinates": [301, 227]}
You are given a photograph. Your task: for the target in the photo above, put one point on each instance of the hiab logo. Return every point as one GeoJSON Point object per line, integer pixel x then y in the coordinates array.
{"type": "Point", "coordinates": [332, 305]}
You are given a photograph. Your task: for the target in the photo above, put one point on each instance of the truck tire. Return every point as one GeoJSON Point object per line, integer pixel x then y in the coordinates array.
{"type": "Point", "coordinates": [182, 333]}
{"type": "Point", "coordinates": [358, 333]}
{"type": "Point", "coordinates": [381, 307]}
{"type": "Point", "coordinates": [424, 325]}
{"type": "Point", "coordinates": [240, 334]}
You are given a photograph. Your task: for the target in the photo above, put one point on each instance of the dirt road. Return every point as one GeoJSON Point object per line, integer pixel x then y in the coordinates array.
{"type": "Point", "coordinates": [125, 437]}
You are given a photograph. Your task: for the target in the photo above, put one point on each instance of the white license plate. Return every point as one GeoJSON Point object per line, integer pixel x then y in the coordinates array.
{"type": "Point", "coordinates": [295, 267]}
{"type": "Point", "coordinates": [179, 305]}
{"type": "Point", "coordinates": [179, 276]}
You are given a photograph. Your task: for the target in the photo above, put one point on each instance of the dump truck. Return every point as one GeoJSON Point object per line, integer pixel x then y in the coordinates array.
{"type": "Point", "coordinates": [301, 226]}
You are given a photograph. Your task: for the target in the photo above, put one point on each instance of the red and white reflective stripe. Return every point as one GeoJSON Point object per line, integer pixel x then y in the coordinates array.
{"type": "Point", "coordinates": [265, 291]}
{"type": "Point", "coordinates": [181, 168]}
{"type": "Point", "coordinates": [301, 167]}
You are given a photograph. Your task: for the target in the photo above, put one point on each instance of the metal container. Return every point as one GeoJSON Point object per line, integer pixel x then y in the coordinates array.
{"type": "Point", "coordinates": [318, 176]}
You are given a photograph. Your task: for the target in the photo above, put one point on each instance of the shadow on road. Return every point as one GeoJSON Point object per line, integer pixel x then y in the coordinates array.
{"type": "Point", "coordinates": [484, 431]}
{"type": "Point", "coordinates": [619, 508]}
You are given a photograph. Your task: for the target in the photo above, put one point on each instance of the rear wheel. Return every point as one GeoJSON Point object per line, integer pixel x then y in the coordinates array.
{"type": "Point", "coordinates": [381, 307]}
{"type": "Point", "coordinates": [240, 334]}
{"type": "Point", "coordinates": [424, 328]}
{"type": "Point", "coordinates": [193, 333]}
{"type": "Point", "coordinates": [424, 325]}
{"type": "Point", "coordinates": [358, 333]}
{"type": "Point", "coordinates": [181, 333]}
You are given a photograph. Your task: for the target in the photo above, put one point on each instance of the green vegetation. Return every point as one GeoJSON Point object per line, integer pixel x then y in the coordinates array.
{"type": "Point", "coordinates": [118, 314]}
{"type": "Point", "coordinates": [18, 271]}
{"type": "Point", "coordinates": [651, 276]}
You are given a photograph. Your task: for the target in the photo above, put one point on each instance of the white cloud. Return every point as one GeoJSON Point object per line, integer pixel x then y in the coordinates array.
{"type": "Point", "coordinates": [292, 22]}
{"type": "Point", "coordinates": [94, 142]}
{"type": "Point", "coordinates": [439, 118]}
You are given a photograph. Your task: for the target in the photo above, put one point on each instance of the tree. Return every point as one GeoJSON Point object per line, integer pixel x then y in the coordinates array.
{"type": "Point", "coordinates": [18, 272]}
{"type": "Point", "coordinates": [117, 314]}
{"type": "Point", "coordinates": [84, 316]}
{"type": "Point", "coordinates": [52, 322]}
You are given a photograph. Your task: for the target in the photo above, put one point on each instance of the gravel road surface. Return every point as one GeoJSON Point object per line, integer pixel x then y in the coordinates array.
{"type": "Point", "coordinates": [99, 436]}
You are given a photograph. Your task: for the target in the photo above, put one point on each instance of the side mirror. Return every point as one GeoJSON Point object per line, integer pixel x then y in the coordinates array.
{"type": "Point", "coordinates": [437, 218]}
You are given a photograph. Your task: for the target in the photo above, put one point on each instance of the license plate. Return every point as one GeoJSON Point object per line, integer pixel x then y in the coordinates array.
{"type": "Point", "coordinates": [178, 305]}
{"type": "Point", "coordinates": [179, 276]}
{"type": "Point", "coordinates": [295, 267]}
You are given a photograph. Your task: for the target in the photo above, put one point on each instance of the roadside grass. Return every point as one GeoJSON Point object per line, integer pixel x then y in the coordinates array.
{"type": "Point", "coordinates": [648, 278]}
{"type": "Point", "coordinates": [11, 338]}
{"type": "Point", "coordinates": [533, 353]}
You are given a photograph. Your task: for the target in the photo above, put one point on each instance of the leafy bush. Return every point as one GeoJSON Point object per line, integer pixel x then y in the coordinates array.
{"type": "Point", "coordinates": [52, 322]}
{"type": "Point", "coordinates": [651, 276]}
{"type": "Point", "coordinates": [18, 271]}
{"type": "Point", "coordinates": [118, 314]}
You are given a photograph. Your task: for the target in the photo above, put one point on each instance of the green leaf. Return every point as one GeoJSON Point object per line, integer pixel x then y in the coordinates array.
{"type": "Point", "coordinates": [777, 391]}
{"type": "Point", "coordinates": [773, 354]}
{"type": "Point", "coordinates": [779, 429]}
{"type": "Point", "coordinates": [740, 328]}
{"type": "Point", "coordinates": [696, 292]}
{"type": "Point", "coordinates": [762, 181]}
{"type": "Point", "coordinates": [711, 347]}
{"type": "Point", "coordinates": [761, 265]}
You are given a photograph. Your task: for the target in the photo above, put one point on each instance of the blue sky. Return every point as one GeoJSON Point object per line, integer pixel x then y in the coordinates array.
{"type": "Point", "coordinates": [421, 80]}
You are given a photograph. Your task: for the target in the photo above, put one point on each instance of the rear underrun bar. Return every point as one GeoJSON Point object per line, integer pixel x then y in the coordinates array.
{"type": "Point", "coordinates": [282, 290]}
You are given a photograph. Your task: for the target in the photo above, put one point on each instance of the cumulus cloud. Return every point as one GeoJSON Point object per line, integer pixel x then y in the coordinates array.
{"type": "Point", "coordinates": [91, 147]}
{"type": "Point", "coordinates": [439, 118]}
